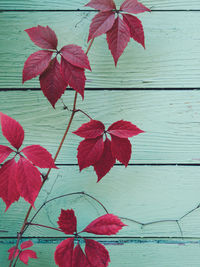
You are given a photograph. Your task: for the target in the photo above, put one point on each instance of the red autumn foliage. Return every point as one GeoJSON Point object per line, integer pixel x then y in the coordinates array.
{"type": "Point", "coordinates": [118, 31]}
{"type": "Point", "coordinates": [55, 76]}
{"type": "Point", "coordinates": [95, 253]}
{"type": "Point", "coordinates": [20, 178]}
{"type": "Point", "coordinates": [102, 155]}
{"type": "Point", "coordinates": [24, 253]}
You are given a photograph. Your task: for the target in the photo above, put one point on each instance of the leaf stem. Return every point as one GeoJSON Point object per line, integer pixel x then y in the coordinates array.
{"type": "Point", "coordinates": [80, 110]}
{"type": "Point", "coordinates": [23, 229]}
{"type": "Point", "coordinates": [45, 226]}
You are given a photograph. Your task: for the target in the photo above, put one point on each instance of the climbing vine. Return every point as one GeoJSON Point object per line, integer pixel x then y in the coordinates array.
{"type": "Point", "coordinates": [20, 175]}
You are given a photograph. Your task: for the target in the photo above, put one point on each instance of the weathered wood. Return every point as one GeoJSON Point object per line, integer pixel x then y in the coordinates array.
{"type": "Point", "coordinates": [77, 4]}
{"type": "Point", "coordinates": [142, 193]}
{"type": "Point", "coordinates": [133, 253]}
{"type": "Point", "coordinates": [171, 58]}
{"type": "Point", "coordinates": [170, 119]}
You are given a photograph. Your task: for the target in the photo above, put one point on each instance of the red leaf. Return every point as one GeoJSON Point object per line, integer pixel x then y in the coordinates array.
{"type": "Point", "coordinates": [26, 244]}
{"type": "Point", "coordinates": [67, 222]}
{"type": "Point", "coordinates": [28, 180]}
{"type": "Point", "coordinates": [121, 149]}
{"type": "Point", "coordinates": [43, 37]}
{"type": "Point", "coordinates": [36, 64]}
{"type": "Point", "coordinates": [64, 253]}
{"type": "Point", "coordinates": [75, 55]}
{"type": "Point", "coordinates": [101, 23]}
{"type": "Point", "coordinates": [133, 6]}
{"type": "Point", "coordinates": [103, 5]}
{"type": "Point", "coordinates": [12, 130]}
{"type": "Point", "coordinates": [73, 76]}
{"type": "Point", "coordinates": [26, 254]}
{"type": "Point", "coordinates": [106, 162]}
{"type": "Point", "coordinates": [118, 37]}
{"type": "Point", "coordinates": [11, 252]}
{"type": "Point", "coordinates": [96, 253]}
{"type": "Point", "coordinates": [39, 156]}
{"type": "Point", "coordinates": [124, 129]}
{"type": "Point", "coordinates": [135, 27]}
{"type": "Point", "coordinates": [79, 258]}
{"type": "Point", "coordinates": [108, 224]}
{"type": "Point", "coordinates": [4, 152]}
{"type": "Point", "coordinates": [89, 152]}
{"type": "Point", "coordinates": [52, 83]}
{"type": "Point", "coordinates": [91, 129]}
{"type": "Point", "coordinates": [8, 187]}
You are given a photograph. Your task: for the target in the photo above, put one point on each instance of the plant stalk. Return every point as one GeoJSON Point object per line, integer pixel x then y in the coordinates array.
{"type": "Point", "coordinates": [48, 172]}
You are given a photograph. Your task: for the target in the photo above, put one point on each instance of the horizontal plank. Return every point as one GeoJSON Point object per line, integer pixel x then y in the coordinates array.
{"type": "Point", "coordinates": [144, 194]}
{"type": "Point", "coordinates": [134, 253]}
{"type": "Point", "coordinates": [166, 61]}
{"type": "Point", "coordinates": [170, 120]}
{"type": "Point", "coordinates": [77, 4]}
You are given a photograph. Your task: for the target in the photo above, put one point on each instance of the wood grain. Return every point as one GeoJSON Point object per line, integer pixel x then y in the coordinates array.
{"type": "Point", "coordinates": [169, 118]}
{"type": "Point", "coordinates": [77, 4]}
{"type": "Point", "coordinates": [142, 193]}
{"type": "Point", "coordinates": [171, 58]}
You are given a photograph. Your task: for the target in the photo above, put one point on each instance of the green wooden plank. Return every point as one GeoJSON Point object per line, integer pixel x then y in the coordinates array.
{"type": "Point", "coordinates": [171, 58]}
{"type": "Point", "coordinates": [142, 193]}
{"type": "Point", "coordinates": [77, 4]}
{"type": "Point", "coordinates": [170, 119]}
{"type": "Point", "coordinates": [134, 253]}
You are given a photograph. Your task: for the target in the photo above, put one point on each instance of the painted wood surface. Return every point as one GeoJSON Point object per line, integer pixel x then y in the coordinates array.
{"type": "Point", "coordinates": [134, 253]}
{"type": "Point", "coordinates": [79, 4]}
{"type": "Point", "coordinates": [141, 193]}
{"type": "Point", "coordinates": [170, 119]}
{"type": "Point", "coordinates": [171, 58]}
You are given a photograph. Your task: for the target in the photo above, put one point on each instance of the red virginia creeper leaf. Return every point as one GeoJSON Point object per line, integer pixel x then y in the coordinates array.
{"type": "Point", "coordinates": [89, 152]}
{"type": "Point", "coordinates": [75, 55]}
{"type": "Point", "coordinates": [73, 76]}
{"type": "Point", "coordinates": [12, 130]}
{"type": "Point", "coordinates": [117, 38]}
{"type": "Point", "coordinates": [11, 252]}
{"type": "Point", "coordinates": [79, 258]}
{"type": "Point", "coordinates": [64, 253]}
{"type": "Point", "coordinates": [133, 6]}
{"type": "Point", "coordinates": [26, 254]}
{"type": "Point", "coordinates": [8, 187]}
{"type": "Point", "coordinates": [96, 253]}
{"type": "Point", "coordinates": [135, 27]}
{"type": "Point", "coordinates": [36, 64]}
{"type": "Point", "coordinates": [91, 129]}
{"type": "Point", "coordinates": [102, 5]}
{"type": "Point", "coordinates": [26, 244]}
{"type": "Point", "coordinates": [106, 162]}
{"type": "Point", "coordinates": [67, 222]}
{"type": "Point", "coordinates": [124, 129]}
{"type": "Point", "coordinates": [101, 23]}
{"type": "Point", "coordinates": [28, 180]}
{"type": "Point", "coordinates": [121, 149]}
{"type": "Point", "coordinates": [52, 83]}
{"type": "Point", "coordinates": [4, 152]}
{"type": "Point", "coordinates": [39, 156]}
{"type": "Point", "coordinates": [108, 224]}
{"type": "Point", "coordinates": [43, 37]}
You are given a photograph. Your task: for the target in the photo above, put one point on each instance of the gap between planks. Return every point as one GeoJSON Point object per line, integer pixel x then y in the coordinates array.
{"type": "Point", "coordinates": [110, 240]}
{"type": "Point", "coordinates": [87, 10]}
{"type": "Point", "coordinates": [109, 89]}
